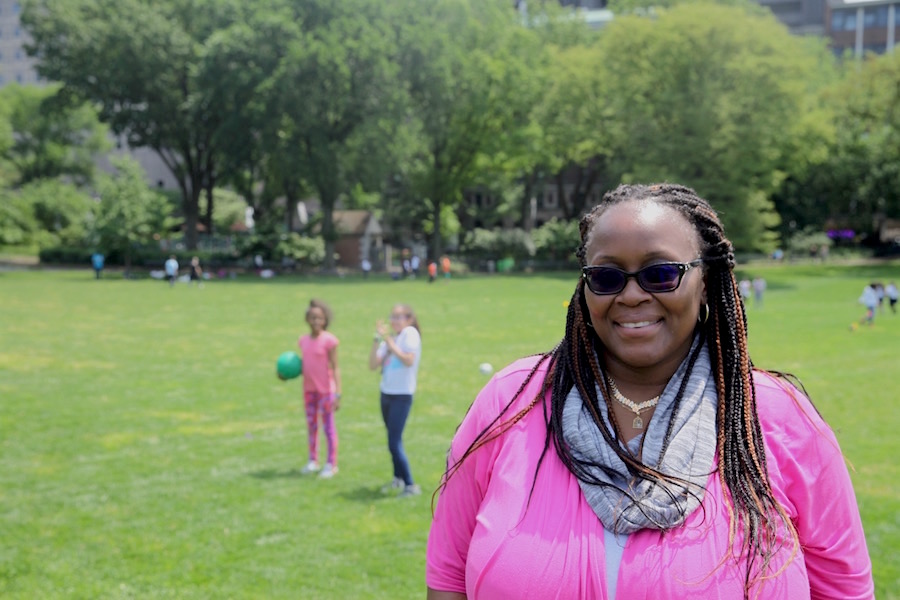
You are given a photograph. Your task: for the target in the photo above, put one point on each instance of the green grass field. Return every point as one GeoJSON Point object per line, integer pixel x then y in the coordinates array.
{"type": "Point", "coordinates": [147, 449]}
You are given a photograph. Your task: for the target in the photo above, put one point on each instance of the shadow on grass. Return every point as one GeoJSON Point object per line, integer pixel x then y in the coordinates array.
{"type": "Point", "coordinates": [361, 493]}
{"type": "Point", "coordinates": [358, 494]}
{"type": "Point", "coordinates": [366, 494]}
{"type": "Point", "coordinates": [267, 474]}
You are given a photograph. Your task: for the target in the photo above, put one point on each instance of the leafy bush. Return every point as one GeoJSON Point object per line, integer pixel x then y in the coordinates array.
{"type": "Point", "coordinates": [556, 240]}
{"type": "Point", "coordinates": [809, 242]}
{"type": "Point", "coordinates": [17, 223]}
{"type": "Point", "coordinates": [65, 255]}
{"type": "Point", "coordinates": [129, 214]}
{"type": "Point", "coordinates": [305, 251]}
{"type": "Point", "coordinates": [486, 244]}
{"type": "Point", "coordinates": [60, 210]}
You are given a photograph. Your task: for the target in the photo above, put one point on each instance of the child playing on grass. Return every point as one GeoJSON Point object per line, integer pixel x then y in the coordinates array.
{"type": "Point", "coordinates": [321, 386]}
{"type": "Point", "coordinates": [869, 299]}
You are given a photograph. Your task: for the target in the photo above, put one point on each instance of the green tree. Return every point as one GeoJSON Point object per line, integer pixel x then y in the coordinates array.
{"type": "Point", "coordinates": [47, 138]}
{"type": "Point", "coordinates": [709, 96]}
{"type": "Point", "coordinates": [137, 60]}
{"type": "Point", "coordinates": [234, 78]}
{"type": "Point", "coordinates": [868, 125]}
{"type": "Point", "coordinates": [61, 211]}
{"type": "Point", "coordinates": [852, 178]}
{"type": "Point", "coordinates": [17, 223]}
{"type": "Point", "coordinates": [338, 95]}
{"type": "Point", "coordinates": [230, 209]}
{"type": "Point", "coordinates": [129, 212]}
{"type": "Point", "coordinates": [556, 240]}
{"type": "Point", "coordinates": [468, 65]}
{"type": "Point", "coordinates": [575, 121]}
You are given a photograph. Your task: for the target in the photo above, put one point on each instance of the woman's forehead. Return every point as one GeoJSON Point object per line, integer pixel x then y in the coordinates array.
{"type": "Point", "coordinates": [643, 221]}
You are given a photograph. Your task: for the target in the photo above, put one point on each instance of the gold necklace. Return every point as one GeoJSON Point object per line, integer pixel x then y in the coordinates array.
{"type": "Point", "coordinates": [637, 409]}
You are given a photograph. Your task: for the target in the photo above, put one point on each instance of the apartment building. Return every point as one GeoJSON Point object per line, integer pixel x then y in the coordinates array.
{"type": "Point", "coordinates": [15, 65]}
{"type": "Point", "coordinates": [860, 26]}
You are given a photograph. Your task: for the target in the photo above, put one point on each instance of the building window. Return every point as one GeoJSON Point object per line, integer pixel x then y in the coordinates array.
{"type": "Point", "coordinates": [550, 200]}
{"type": "Point", "coordinates": [843, 20]}
{"type": "Point", "coordinates": [875, 16]}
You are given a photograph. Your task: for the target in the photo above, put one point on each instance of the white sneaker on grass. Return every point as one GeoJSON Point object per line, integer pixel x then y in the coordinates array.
{"type": "Point", "coordinates": [328, 472]}
{"type": "Point", "coordinates": [410, 490]}
{"type": "Point", "coordinates": [311, 467]}
{"type": "Point", "coordinates": [395, 484]}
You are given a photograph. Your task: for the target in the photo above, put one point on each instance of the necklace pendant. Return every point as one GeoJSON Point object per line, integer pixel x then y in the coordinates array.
{"type": "Point", "coordinates": [638, 423]}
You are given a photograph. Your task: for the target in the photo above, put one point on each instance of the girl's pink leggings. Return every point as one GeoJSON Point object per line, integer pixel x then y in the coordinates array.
{"type": "Point", "coordinates": [317, 403]}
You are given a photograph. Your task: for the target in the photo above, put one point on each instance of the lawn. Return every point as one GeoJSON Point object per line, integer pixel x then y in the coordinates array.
{"type": "Point", "coordinates": [147, 449]}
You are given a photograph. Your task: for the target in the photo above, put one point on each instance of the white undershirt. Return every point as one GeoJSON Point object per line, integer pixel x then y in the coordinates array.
{"type": "Point", "coordinates": [614, 544]}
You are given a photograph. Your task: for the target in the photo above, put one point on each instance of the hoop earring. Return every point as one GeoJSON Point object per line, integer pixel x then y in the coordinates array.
{"type": "Point", "coordinates": [703, 315]}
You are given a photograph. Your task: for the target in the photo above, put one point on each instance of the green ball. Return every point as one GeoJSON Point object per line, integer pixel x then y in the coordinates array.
{"type": "Point", "coordinates": [290, 365]}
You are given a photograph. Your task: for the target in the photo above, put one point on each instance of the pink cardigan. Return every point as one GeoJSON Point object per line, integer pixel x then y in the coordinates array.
{"type": "Point", "coordinates": [488, 541]}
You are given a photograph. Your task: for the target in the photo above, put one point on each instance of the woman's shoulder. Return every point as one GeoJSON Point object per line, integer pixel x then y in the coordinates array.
{"type": "Point", "coordinates": [525, 374]}
{"type": "Point", "coordinates": [519, 369]}
{"type": "Point", "coordinates": [507, 393]}
{"type": "Point", "coordinates": [785, 412]}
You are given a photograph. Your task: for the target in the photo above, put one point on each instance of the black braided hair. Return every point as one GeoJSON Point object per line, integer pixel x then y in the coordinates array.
{"type": "Point", "coordinates": [739, 449]}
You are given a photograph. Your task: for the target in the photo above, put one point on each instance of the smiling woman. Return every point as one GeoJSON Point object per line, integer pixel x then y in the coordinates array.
{"type": "Point", "coordinates": [675, 465]}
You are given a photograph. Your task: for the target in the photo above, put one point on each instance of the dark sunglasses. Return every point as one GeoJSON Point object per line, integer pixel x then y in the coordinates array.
{"type": "Point", "coordinates": [662, 277]}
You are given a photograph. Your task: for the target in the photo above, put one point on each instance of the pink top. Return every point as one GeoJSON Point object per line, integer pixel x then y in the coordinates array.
{"type": "Point", "coordinates": [317, 373]}
{"type": "Point", "coordinates": [488, 541]}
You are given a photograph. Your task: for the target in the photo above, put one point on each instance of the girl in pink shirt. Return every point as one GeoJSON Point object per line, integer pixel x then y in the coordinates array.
{"type": "Point", "coordinates": [321, 386]}
{"type": "Point", "coordinates": [644, 457]}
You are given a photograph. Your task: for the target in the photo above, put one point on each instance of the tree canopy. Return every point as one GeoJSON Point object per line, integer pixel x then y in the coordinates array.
{"type": "Point", "coordinates": [405, 106]}
{"type": "Point", "coordinates": [45, 140]}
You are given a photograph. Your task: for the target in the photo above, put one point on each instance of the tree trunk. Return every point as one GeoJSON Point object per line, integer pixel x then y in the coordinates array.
{"type": "Point", "coordinates": [191, 217]}
{"type": "Point", "coordinates": [561, 195]}
{"type": "Point", "coordinates": [436, 242]}
{"type": "Point", "coordinates": [208, 218]}
{"type": "Point", "coordinates": [329, 235]}
{"type": "Point", "coordinates": [529, 194]}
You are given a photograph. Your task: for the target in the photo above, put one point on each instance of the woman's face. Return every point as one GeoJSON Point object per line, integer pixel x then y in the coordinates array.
{"type": "Point", "coordinates": [642, 330]}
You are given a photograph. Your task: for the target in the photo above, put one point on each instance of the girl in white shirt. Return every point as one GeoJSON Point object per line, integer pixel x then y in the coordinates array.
{"type": "Point", "coordinates": [396, 350]}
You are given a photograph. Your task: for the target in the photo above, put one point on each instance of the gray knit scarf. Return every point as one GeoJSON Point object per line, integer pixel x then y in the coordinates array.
{"type": "Point", "coordinates": [626, 503]}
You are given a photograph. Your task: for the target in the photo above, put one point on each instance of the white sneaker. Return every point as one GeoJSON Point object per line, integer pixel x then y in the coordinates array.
{"type": "Point", "coordinates": [311, 467]}
{"type": "Point", "coordinates": [395, 484]}
{"type": "Point", "coordinates": [328, 472]}
{"type": "Point", "coordinates": [410, 490]}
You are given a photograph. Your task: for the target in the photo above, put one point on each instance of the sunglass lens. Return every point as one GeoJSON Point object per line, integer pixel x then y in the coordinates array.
{"type": "Point", "coordinates": [659, 278]}
{"type": "Point", "coordinates": [606, 281]}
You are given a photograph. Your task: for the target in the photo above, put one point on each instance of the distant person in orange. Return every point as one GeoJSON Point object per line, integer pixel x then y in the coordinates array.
{"type": "Point", "coordinates": [432, 271]}
{"type": "Point", "coordinates": [445, 266]}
